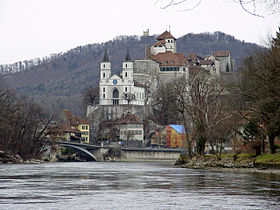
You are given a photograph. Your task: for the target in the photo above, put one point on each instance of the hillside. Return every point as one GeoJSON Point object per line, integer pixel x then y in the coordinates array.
{"type": "Point", "coordinates": [57, 82]}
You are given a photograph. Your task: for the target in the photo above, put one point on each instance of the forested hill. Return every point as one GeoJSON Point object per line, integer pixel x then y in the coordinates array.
{"type": "Point", "coordinates": [56, 82]}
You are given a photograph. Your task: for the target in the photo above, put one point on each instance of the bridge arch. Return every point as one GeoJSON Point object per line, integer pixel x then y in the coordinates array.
{"type": "Point", "coordinates": [80, 149]}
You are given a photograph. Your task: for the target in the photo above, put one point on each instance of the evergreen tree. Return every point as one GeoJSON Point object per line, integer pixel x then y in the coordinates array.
{"type": "Point", "coordinates": [261, 90]}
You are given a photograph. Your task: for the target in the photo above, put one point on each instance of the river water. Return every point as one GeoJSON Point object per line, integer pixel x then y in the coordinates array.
{"type": "Point", "coordinates": [133, 185]}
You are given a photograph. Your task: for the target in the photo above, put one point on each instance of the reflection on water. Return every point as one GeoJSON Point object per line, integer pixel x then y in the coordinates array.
{"type": "Point", "coordinates": [130, 185]}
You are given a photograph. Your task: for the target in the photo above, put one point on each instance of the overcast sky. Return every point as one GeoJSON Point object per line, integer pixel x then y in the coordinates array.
{"type": "Point", "coordinates": [37, 28]}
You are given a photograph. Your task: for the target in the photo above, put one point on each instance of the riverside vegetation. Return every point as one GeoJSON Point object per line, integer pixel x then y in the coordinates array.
{"type": "Point", "coordinates": [265, 163]}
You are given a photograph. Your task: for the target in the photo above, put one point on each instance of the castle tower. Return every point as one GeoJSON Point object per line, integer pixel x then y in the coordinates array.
{"type": "Point", "coordinates": [127, 67]}
{"type": "Point", "coordinates": [168, 40]}
{"type": "Point", "coordinates": [105, 67]}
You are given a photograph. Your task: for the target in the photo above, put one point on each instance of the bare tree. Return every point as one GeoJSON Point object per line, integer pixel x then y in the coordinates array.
{"type": "Point", "coordinates": [202, 107]}
{"type": "Point", "coordinates": [22, 125]}
{"type": "Point", "coordinates": [90, 95]}
{"type": "Point", "coordinates": [164, 101]}
{"type": "Point", "coordinates": [129, 97]}
{"type": "Point", "coordinates": [253, 7]}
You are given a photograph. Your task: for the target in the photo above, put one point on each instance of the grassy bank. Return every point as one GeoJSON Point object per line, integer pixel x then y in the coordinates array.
{"type": "Point", "coordinates": [264, 161]}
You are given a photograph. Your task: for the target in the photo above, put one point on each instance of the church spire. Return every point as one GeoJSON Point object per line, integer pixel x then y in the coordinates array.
{"type": "Point", "coordinates": [127, 57]}
{"type": "Point", "coordinates": [105, 58]}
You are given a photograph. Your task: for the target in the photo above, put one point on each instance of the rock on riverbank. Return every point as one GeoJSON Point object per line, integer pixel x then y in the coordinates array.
{"type": "Point", "coordinates": [241, 162]}
{"type": "Point", "coordinates": [8, 158]}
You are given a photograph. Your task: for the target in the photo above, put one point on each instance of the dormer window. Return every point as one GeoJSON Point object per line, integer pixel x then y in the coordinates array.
{"type": "Point", "coordinates": [172, 62]}
{"type": "Point", "coordinates": [165, 62]}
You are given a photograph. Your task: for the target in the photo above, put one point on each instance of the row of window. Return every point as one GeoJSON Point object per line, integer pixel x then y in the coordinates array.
{"type": "Point", "coordinates": [169, 68]}
{"type": "Point", "coordinates": [84, 133]}
{"type": "Point", "coordinates": [131, 132]}
{"type": "Point", "coordinates": [84, 127]}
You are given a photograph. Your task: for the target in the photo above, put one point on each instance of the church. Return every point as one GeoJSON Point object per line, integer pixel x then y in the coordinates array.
{"type": "Point", "coordinates": [119, 89]}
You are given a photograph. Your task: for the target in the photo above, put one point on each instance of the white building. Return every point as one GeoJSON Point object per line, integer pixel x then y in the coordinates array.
{"type": "Point", "coordinates": [119, 89]}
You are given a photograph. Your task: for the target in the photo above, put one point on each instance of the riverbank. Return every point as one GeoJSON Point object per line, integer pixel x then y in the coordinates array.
{"type": "Point", "coordinates": [7, 158]}
{"type": "Point", "coordinates": [267, 163]}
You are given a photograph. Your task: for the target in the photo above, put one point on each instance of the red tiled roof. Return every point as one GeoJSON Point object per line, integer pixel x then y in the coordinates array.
{"type": "Point", "coordinates": [193, 70]}
{"type": "Point", "coordinates": [74, 121]}
{"type": "Point", "coordinates": [207, 62]}
{"type": "Point", "coordinates": [159, 43]}
{"type": "Point", "coordinates": [165, 35]}
{"type": "Point", "coordinates": [170, 59]}
{"type": "Point", "coordinates": [63, 128]}
{"type": "Point", "coordinates": [130, 119]}
{"type": "Point", "coordinates": [81, 120]}
{"type": "Point", "coordinates": [193, 57]}
{"type": "Point", "coordinates": [221, 53]}
{"type": "Point", "coordinates": [70, 118]}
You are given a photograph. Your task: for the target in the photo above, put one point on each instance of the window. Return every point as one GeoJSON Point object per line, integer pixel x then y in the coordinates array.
{"type": "Point", "coordinates": [125, 89]}
{"type": "Point", "coordinates": [115, 97]}
{"type": "Point", "coordinates": [103, 65]}
{"type": "Point", "coordinates": [103, 95]}
{"type": "Point", "coordinates": [104, 74]}
{"type": "Point", "coordinates": [126, 65]}
{"type": "Point", "coordinates": [125, 74]}
{"type": "Point", "coordinates": [104, 89]}
{"type": "Point", "coordinates": [115, 102]}
{"type": "Point", "coordinates": [83, 127]}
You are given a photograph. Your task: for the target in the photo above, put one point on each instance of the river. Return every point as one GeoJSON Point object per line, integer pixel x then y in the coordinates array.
{"type": "Point", "coordinates": [133, 185]}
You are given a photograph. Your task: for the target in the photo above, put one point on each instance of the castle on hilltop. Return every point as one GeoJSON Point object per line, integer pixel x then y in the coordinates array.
{"type": "Point", "coordinates": [130, 92]}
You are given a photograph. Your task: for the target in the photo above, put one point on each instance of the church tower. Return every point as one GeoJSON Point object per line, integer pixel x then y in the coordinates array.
{"type": "Point", "coordinates": [105, 67]}
{"type": "Point", "coordinates": [105, 74]}
{"type": "Point", "coordinates": [127, 67]}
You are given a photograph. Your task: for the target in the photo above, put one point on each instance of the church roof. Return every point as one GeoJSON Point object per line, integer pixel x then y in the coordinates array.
{"type": "Point", "coordinates": [105, 57]}
{"type": "Point", "coordinates": [165, 35]}
{"type": "Point", "coordinates": [170, 59]}
{"type": "Point", "coordinates": [127, 57]}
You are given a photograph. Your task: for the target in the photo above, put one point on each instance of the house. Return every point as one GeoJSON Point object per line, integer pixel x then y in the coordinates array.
{"type": "Point", "coordinates": [131, 128]}
{"type": "Point", "coordinates": [172, 136]}
{"type": "Point", "coordinates": [63, 131]}
{"type": "Point", "coordinates": [128, 128]}
{"type": "Point", "coordinates": [72, 128]}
